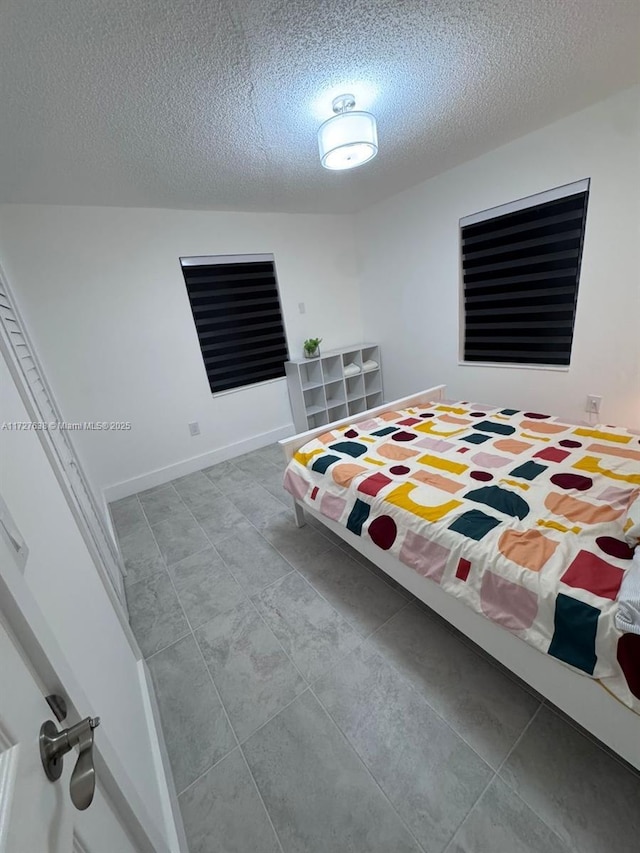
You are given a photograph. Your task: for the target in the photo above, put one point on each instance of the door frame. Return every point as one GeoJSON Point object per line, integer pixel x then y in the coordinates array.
{"type": "Point", "coordinates": [29, 626]}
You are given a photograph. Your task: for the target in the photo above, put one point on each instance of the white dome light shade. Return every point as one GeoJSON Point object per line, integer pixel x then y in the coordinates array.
{"type": "Point", "coordinates": [347, 140]}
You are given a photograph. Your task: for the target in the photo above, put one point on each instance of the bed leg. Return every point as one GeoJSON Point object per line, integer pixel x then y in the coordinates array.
{"type": "Point", "coordinates": [300, 519]}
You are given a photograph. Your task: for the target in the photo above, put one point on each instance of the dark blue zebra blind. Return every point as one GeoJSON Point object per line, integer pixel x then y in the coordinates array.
{"type": "Point", "coordinates": [236, 310]}
{"type": "Point", "coordinates": [521, 270]}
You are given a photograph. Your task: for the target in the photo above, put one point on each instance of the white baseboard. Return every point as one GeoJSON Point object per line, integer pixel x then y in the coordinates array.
{"type": "Point", "coordinates": [195, 463]}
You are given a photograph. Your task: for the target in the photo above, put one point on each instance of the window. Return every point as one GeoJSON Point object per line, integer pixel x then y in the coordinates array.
{"type": "Point", "coordinates": [236, 308]}
{"type": "Point", "coordinates": [520, 274]}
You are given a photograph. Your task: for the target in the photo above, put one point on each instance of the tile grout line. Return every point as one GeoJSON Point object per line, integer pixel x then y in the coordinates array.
{"type": "Point", "coordinates": [208, 671]}
{"type": "Point", "coordinates": [212, 544]}
{"type": "Point", "coordinates": [228, 719]}
{"type": "Point", "coordinates": [308, 684]}
{"type": "Point", "coordinates": [118, 537]}
{"type": "Point", "coordinates": [320, 530]}
{"type": "Point", "coordinates": [277, 714]}
{"type": "Point", "coordinates": [267, 586]}
{"type": "Point", "coordinates": [293, 569]}
{"type": "Point", "coordinates": [195, 554]}
{"type": "Point", "coordinates": [352, 625]}
{"type": "Point", "coordinates": [261, 798]}
{"type": "Point", "coordinates": [317, 591]}
{"type": "Point", "coordinates": [496, 775]}
{"type": "Point", "coordinates": [384, 579]}
{"type": "Point", "coordinates": [242, 489]}
{"type": "Point", "coordinates": [166, 569]}
{"type": "Point", "coordinates": [224, 562]}
{"type": "Point", "coordinates": [215, 687]}
{"type": "Point", "coordinates": [539, 709]}
{"type": "Point", "coordinates": [231, 533]}
{"type": "Point", "coordinates": [361, 645]}
{"type": "Point", "coordinates": [168, 646]}
{"type": "Point", "coordinates": [367, 771]}
{"type": "Point", "coordinates": [608, 751]}
{"type": "Point", "coordinates": [495, 663]}
{"type": "Point", "coordinates": [309, 688]}
{"type": "Point", "coordinates": [252, 604]}
{"type": "Point", "coordinates": [208, 770]}
{"type": "Point", "coordinates": [244, 592]}
{"type": "Point", "coordinates": [217, 693]}
{"type": "Point", "coordinates": [251, 477]}
{"type": "Point", "coordinates": [277, 639]}
{"type": "Point", "coordinates": [410, 683]}
{"type": "Point", "coordinates": [166, 565]}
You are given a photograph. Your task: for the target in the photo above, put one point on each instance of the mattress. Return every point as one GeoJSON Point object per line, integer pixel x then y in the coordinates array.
{"type": "Point", "coordinates": [520, 515]}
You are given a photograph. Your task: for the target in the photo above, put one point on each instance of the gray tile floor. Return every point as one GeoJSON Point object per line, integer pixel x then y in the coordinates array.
{"type": "Point", "coordinates": [310, 706]}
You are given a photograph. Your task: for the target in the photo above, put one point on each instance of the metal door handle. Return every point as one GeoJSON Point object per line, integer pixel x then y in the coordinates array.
{"type": "Point", "coordinates": [54, 745]}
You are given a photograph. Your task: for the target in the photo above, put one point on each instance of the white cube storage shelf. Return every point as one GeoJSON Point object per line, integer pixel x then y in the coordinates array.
{"type": "Point", "coordinates": [320, 393]}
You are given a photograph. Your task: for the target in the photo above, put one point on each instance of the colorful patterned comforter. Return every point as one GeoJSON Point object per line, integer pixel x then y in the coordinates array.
{"type": "Point", "coordinates": [518, 514]}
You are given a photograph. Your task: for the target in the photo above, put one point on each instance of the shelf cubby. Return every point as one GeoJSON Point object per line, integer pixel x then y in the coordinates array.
{"type": "Point", "coordinates": [355, 387]}
{"type": "Point", "coordinates": [316, 420]}
{"type": "Point", "coordinates": [331, 368]}
{"type": "Point", "coordinates": [338, 412]}
{"type": "Point", "coordinates": [335, 393]}
{"type": "Point", "coordinates": [352, 357]}
{"type": "Point", "coordinates": [371, 353]}
{"type": "Point", "coordinates": [357, 406]}
{"type": "Point", "coordinates": [314, 400]}
{"type": "Point", "coordinates": [372, 382]}
{"type": "Point", "coordinates": [311, 374]}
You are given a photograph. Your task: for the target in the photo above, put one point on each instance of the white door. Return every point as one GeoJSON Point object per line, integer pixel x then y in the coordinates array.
{"type": "Point", "coordinates": [77, 639]}
{"type": "Point", "coordinates": [36, 815]}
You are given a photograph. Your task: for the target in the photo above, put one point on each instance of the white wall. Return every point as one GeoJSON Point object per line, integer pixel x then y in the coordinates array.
{"type": "Point", "coordinates": [103, 296]}
{"type": "Point", "coordinates": [62, 578]}
{"type": "Point", "coordinates": [409, 268]}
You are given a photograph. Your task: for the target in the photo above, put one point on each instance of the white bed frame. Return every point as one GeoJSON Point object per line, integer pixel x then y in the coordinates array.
{"type": "Point", "coordinates": [579, 696]}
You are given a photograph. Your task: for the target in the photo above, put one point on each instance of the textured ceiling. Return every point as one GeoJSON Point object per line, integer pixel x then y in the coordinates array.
{"type": "Point", "coordinates": [216, 103]}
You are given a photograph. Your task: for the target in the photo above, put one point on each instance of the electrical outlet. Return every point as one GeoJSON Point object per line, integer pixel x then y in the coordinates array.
{"type": "Point", "coordinates": [194, 428]}
{"type": "Point", "coordinates": [301, 307]}
{"type": "Point", "coordinates": [593, 404]}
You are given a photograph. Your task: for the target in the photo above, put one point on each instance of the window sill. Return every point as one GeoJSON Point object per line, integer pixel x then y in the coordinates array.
{"type": "Point", "coordinates": [510, 366]}
{"type": "Point", "coordinates": [248, 387]}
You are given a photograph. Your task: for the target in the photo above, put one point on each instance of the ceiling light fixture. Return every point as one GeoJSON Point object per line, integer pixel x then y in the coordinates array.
{"type": "Point", "coordinates": [349, 138]}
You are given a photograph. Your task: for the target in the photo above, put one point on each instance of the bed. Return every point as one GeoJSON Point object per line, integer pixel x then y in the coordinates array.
{"type": "Point", "coordinates": [510, 524]}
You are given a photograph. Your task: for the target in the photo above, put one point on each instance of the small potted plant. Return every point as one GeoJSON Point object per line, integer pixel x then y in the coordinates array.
{"type": "Point", "coordinates": [312, 347]}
